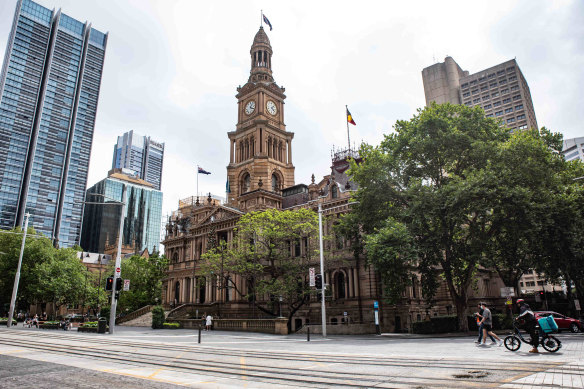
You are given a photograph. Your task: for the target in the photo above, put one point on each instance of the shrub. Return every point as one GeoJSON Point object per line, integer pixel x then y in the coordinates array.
{"type": "Point", "coordinates": [105, 312]}
{"type": "Point", "coordinates": [422, 327]}
{"type": "Point", "coordinates": [4, 321]}
{"type": "Point", "coordinates": [442, 324]}
{"type": "Point", "coordinates": [502, 321]}
{"type": "Point", "coordinates": [172, 326]}
{"type": "Point", "coordinates": [436, 325]}
{"type": "Point", "coordinates": [158, 317]}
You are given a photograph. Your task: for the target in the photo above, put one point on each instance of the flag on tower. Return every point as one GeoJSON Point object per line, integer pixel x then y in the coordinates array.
{"type": "Point", "coordinates": [202, 171]}
{"type": "Point", "coordinates": [350, 118]}
{"type": "Point", "coordinates": [267, 21]}
{"type": "Point", "coordinates": [227, 186]}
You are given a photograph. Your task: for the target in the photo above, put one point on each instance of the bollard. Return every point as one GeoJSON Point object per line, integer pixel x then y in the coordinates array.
{"type": "Point", "coordinates": [308, 333]}
{"type": "Point", "coordinates": [199, 333]}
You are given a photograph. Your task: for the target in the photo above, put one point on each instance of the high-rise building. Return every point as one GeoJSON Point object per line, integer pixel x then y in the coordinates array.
{"type": "Point", "coordinates": [142, 155]}
{"type": "Point", "coordinates": [49, 88]}
{"type": "Point", "coordinates": [142, 214]}
{"type": "Point", "coordinates": [573, 149]}
{"type": "Point", "coordinates": [500, 90]}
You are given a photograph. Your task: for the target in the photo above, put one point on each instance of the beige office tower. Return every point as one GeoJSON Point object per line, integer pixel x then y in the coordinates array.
{"type": "Point", "coordinates": [500, 90]}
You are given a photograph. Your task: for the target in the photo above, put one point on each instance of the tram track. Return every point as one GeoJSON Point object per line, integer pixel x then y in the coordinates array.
{"type": "Point", "coordinates": [200, 359]}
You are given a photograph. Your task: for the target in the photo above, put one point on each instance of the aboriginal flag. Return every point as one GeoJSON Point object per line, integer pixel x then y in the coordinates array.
{"type": "Point", "coordinates": [350, 118]}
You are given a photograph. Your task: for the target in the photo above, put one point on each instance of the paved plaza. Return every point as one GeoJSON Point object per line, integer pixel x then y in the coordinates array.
{"type": "Point", "coordinates": [140, 357]}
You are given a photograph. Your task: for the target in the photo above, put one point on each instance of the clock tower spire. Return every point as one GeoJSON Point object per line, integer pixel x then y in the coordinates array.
{"type": "Point", "coordinates": [260, 160]}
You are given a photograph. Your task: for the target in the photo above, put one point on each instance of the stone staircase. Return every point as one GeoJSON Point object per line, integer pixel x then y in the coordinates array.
{"type": "Point", "coordinates": [141, 321]}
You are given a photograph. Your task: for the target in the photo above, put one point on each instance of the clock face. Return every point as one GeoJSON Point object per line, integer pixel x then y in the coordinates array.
{"type": "Point", "coordinates": [250, 107]}
{"type": "Point", "coordinates": [271, 107]}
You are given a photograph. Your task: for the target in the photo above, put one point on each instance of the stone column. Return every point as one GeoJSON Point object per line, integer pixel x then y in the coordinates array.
{"type": "Point", "coordinates": [350, 292]}
{"type": "Point", "coordinates": [231, 153]}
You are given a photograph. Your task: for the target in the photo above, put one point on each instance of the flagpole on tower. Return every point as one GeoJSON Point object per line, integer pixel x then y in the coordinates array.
{"type": "Point", "coordinates": [347, 120]}
{"type": "Point", "coordinates": [261, 17]}
{"type": "Point", "coordinates": [197, 180]}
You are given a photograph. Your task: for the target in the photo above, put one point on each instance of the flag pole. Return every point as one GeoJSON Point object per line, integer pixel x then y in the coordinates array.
{"type": "Point", "coordinates": [347, 120]}
{"type": "Point", "coordinates": [261, 17]}
{"type": "Point", "coordinates": [197, 180]}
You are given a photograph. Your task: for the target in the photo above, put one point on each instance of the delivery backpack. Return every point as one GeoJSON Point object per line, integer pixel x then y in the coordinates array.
{"type": "Point", "coordinates": [548, 324]}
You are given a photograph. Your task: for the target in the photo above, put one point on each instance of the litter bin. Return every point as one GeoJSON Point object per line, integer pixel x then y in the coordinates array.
{"type": "Point", "coordinates": [101, 325]}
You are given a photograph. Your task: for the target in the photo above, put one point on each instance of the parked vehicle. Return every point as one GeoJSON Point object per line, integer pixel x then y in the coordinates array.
{"type": "Point", "coordinates": [565, 323]}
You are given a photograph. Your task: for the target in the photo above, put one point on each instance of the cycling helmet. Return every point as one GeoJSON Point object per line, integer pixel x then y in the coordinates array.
{"type": "Point", "coordinates": [519, 301]}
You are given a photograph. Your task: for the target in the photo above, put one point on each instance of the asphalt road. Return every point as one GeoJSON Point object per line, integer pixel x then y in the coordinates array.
{"type": "Point", "coordinates": [143, 358]}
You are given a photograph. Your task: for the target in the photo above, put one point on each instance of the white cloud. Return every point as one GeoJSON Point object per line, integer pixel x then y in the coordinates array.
{"type": "Point", "coordinates": [172, 69]}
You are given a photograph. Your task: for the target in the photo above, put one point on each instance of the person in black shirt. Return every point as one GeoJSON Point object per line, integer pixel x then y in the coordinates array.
{"type": "Point", "coordinates": [529, 321]}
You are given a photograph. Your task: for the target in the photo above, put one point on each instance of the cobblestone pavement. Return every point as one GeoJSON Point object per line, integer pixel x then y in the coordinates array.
{"type": "Point", "coordinates": [232, 359]}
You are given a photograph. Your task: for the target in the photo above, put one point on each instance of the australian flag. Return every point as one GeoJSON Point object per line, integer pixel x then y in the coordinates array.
{"type": "Point", "coordinates": [203, 171]}
{"type": "Point", "coordinates": [267, 22]}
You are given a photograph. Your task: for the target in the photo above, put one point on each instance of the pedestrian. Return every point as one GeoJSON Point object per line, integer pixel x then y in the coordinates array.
{"type": "Point", "coordinates": [479, 317]}
{"type": "Point", "coordinates": [487, 323]}
{"type": "Point", "coordinates": [209, 322]}
{"type": "Point", "coordinates": [528, 322]}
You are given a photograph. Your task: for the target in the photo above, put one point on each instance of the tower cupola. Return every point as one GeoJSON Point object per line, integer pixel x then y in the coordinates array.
{"type": "Point", "coordinates": [261, 58]}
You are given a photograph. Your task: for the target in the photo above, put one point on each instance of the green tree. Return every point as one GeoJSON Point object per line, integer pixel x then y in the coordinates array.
{"type": "Point", "coordinates": [62, 279]}
{"type": "Point", "coordinates": [413, 192]}
{"type": "Point", "coordinates": [262, 253]}
{"type": "Point", "coordinates": [145, 275]}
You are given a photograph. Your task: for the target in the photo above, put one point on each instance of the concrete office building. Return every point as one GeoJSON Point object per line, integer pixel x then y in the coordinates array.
{"type": "Point", "coordinates": [142, 214]}
{"type": "Point", "coordinates": [573, 149]}
{"type": "Point", "coordinates": [500, 90]}
{"type": "Point", "coordinates": [140, 154]}
{"type": "Point", "coordinates": [49, 88]}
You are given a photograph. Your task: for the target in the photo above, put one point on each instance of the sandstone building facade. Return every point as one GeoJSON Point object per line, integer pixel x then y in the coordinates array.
{"type": "Point", "coordinates": [261, 176]}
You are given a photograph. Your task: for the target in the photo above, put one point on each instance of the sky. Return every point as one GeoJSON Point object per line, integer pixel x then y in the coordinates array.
{"type": "Point", "coordinates": [172, 68]}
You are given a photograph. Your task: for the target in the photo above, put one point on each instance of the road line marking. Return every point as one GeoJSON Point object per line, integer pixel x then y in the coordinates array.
{"type": "Point", "coordinates": [13, 351]}
{"type": "Point", "coordinates": [243, 367]}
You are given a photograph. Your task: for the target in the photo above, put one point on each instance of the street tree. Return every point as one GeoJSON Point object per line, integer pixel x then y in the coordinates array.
{"type": "Point", "coordinates": [145, 275]}
{"type": "Point", "coordinates": [413, 192]}
{"type": "Point", "coordinates": [263, 253]}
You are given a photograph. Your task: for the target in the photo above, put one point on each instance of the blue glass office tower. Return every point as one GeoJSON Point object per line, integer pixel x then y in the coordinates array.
{"type": "Point", "coordinates": [140, 154]}
{"type": "Point", "coordinates": [142, 214]}
{"type": "Point", "coordinates": [49, 88]}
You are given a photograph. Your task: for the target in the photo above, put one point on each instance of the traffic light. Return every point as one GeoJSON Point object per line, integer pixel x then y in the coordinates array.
{"type": "Point", "coordinates": [109, 283]}
{"type": "Point", "coordinates": [318, 281]}
{"type": "Point", "coordinates": [119, 283]}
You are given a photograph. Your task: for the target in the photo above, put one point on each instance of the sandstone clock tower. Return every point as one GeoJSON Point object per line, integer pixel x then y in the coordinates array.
{"type": "Point", "coordinates": [260, 159]}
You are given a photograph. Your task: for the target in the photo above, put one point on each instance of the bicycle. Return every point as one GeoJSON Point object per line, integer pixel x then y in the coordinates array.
{"type": "Point", "coordinates": [548, 342]}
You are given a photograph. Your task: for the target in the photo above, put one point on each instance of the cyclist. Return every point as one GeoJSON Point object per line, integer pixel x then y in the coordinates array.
{"type": "Point", "coordinates": [529, 323]}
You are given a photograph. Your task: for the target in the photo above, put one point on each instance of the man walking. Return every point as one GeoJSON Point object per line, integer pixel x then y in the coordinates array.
{"type": "Point", "coordinates": [487, 323]}
{"type": "Point", "coordinates": [479, 317]}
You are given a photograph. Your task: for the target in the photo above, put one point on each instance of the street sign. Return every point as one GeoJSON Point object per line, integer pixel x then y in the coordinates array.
{"type": "Point", "coordinates": [509, 301]}
{"type": "Point", "coordinates": [311, 276]}
{"type": "Point", "coordinates": [118, 270]}
{"type": "Point", "coordinates": [344, 313]}
{"type": "Point", "coordinates": [577, 304]}
{"type": "Point", "coordinates": [126, 285]}
{"type": "Point", "coordinates": [376, 304]}
{"type": "Point", "coordinates": [507, 292]}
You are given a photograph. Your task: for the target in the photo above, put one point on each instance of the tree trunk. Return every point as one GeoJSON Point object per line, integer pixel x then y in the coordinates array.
{"type": "Point", "coordinates": [461, 305]}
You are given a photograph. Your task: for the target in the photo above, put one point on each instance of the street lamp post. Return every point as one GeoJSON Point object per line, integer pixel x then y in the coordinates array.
{"type": "Point", "coordinates": [118, 265]}
{"type": "Point", "coordinates": [323, 306]}
{"type": "Point", "coordinates": [17, 275]}
{"type": "Point", "coordinates": [323, 287]}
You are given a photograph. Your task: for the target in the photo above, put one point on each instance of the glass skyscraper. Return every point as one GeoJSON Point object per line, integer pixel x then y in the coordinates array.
{"type": "Point", "coordinates": [49, 88]}
{"type": "Point", "coordinates": [140, 154]}
{"type": "Point", "coordinates": [142, 214]}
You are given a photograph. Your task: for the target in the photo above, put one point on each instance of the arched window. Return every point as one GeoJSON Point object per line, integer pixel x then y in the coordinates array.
{"type": "Point", "coordinates": [202, 285]}
{"type": "Point", "coordinates": [175, 257]}
{"type": "Point", "coordinates": [334, 192]}
{"type": "Point", "coordinates": [246, 183]}
{"type": "Point", "coordinates": [340, 285]}
{"type": "Point", "coordinates": [275, 182]}
{"type": "Point", "coordinates": [176, 293]}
